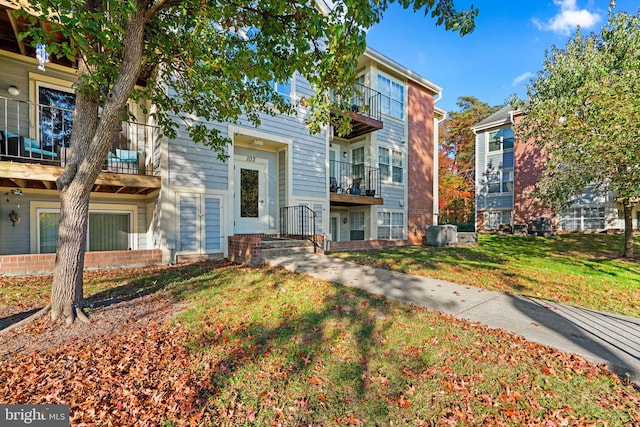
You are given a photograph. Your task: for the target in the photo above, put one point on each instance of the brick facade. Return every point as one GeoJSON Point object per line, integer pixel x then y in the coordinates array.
{"type": "Point", "coordinates": [34, 264]}
{"type": "Point", "coordinates": [364, 245]}
{"type": "Point", "coordinates": [528, 165]}
{"type": "Point", "coordinates": [420, 161]}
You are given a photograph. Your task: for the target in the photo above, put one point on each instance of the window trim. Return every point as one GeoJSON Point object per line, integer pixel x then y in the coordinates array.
{"type": "Point", "coordinates": [36, 207]}
{"type": "Point", "coordinates": [364, 225]}
{"type": "Point", "coordinates": [582, 218]}
{"type": "Point", "coordinates": [403, 102]}
{"type": "Point", "coordinates": [391, 166]}
{"type": "Point", "coordinates": [391, 213]}
{"type": "Point", "coordinates": [496, 211]}
{"type": "Point", "coordinates": [500, 173]}
{"type": "Point", "coordinates": [489, 151]}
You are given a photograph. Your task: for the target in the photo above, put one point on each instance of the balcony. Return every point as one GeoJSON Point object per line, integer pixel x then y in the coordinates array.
{"type": "Point", "coordinates": [353, 184]}
{"type": "Point", "coordinates": [364, 110]}
{"type": "Point", "coordinates": [34, 149]}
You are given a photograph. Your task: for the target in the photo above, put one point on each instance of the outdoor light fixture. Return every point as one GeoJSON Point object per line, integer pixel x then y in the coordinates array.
{"type": "Point", "coordinates": [42, 55]}
{"type": "Point", "coordinates": [257, 142]}
{"type": "Point", "coordinates": [13, 90]}
{"type": "Point", "coordinates": [14, 218]}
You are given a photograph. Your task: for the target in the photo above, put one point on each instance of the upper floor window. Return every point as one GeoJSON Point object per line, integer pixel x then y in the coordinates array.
{"type": "Point", "coordinates": [500, 182]}
{"type": "Point", "coordinates": [55, 112]}
{"type": "Point", "coordinates": [501, 139]}
{"type": "Point", "coordinates": [392, 102]}
{"type": "Point", "coordinates": [282, 88]}
{"type": "Point", "coordinates": [390, 165]}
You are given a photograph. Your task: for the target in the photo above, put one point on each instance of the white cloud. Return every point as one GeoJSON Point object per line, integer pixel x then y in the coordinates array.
{"type": "Point", "coordinates": [568, 18]}
{"type": "Point", "coordinates": [522, 77]}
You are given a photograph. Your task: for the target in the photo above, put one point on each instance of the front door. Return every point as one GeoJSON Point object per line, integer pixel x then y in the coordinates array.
{"type": "Point", "coordinates": [250, 195]}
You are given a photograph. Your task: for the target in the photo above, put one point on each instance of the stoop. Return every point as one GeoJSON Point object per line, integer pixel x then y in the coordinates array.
{"type": "Point", "coordinates": [280, 247]}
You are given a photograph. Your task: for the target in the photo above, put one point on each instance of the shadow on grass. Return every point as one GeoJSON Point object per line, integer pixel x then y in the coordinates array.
{"type": "Point", "coordinates": [155, 280]}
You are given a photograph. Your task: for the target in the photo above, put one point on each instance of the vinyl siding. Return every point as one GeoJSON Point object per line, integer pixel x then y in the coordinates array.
{"type": "Point", "coordinates": [213, 224]}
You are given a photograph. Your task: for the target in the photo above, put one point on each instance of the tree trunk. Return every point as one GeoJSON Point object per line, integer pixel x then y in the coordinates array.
{"type": "Point", "coordinates": [628, 228]}
{"type": "Point", "coordinates": [91, 140]}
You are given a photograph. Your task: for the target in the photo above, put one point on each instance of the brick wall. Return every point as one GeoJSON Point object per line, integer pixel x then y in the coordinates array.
{"type": "Point", "coordinates": [245, 249]}
{"type": "Point", "coordinates": [364, 245]}
{"type": "Point", "coordinates": [33, 264]}
{"type": "Point", "coordinates": [420, 162]}
{"type": "Point", "coordinates": [529, 160]}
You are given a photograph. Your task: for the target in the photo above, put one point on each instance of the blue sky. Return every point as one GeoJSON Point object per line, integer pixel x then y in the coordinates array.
{"type": "Point", "coordinates": [499, 57]}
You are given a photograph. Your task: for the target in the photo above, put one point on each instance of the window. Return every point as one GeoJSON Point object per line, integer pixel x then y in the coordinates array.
{"type": "Point", "coordinates": [390, 165]}
{"type": "Point", "coordinates": [108, 230]}
{"type": "Point", "coordinates": [392, 102]}
{"type": "Point", "coordinates": [391, 225]}
{"type": "Point", "coordinates": [282, 88]}
{"type": "Point", "coordinates": [356, 220]}
{"type": "Point", "coordinates": [493, 219]}
{"type": "Point", "coordinates": [357, 163]}
{"type": "Point", "coordinates": [500, 181]}
{"type": "Point", "coordinates": [55, 112]}
{"type": "Point", "coordinates": [501, 139]}
{"type": "Point", "coordinates": [587, 218]}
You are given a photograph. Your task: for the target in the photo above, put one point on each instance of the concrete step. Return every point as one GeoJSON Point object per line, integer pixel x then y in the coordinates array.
{"type": "Point", "coordinates": [286, 251]}
{"type": "Point", "coordinates": [285, 243]}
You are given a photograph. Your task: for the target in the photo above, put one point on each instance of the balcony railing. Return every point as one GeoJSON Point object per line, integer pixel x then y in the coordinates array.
{"type": "Point", "coordinates": [35, 133]}
{"type": "Point", "coordinates": [354, 179]}
{"type": "Point", "coordinates": [364, 108]}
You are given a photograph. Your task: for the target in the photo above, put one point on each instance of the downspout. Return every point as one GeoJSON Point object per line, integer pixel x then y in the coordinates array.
{"type": "Point", "coordinates": [436, 164]}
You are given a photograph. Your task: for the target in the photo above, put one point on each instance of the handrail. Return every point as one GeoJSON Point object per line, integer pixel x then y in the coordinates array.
{"type": "Point", "coordinates": [354, 179]}
{"type": "Point", "coordinates": [299, 222]}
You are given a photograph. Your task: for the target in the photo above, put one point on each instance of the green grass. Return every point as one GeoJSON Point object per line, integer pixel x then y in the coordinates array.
{"type": "Point", "coordinates": [578, 269]}
{"type": "Point", "coordinates": [280, 348]}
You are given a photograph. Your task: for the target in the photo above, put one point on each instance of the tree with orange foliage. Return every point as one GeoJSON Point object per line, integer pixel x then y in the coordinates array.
{"type": "Point", "coordinates": [457, 158]}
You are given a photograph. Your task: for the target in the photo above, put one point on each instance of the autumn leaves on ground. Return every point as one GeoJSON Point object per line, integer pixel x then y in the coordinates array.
{"type": "Point", "coordinates": [219, 344]}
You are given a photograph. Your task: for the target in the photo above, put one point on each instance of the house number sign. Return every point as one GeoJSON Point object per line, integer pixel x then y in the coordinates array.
{"type": "Point", "coordinates": [251, 159]}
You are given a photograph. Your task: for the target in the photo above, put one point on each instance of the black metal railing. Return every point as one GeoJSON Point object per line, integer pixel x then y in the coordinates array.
{"type": "Point", "coordinates": [354, 179]}
{"type": "Point", "coordinates": [365, 101]}
{"type": "Point", "coordinates": [299, 222]}
{"type": "Point", "coordinates": [36, 133]}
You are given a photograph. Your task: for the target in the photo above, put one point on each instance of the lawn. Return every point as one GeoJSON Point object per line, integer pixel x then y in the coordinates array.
{"type": "Point", "coordinates": [261, 346]}
{"type": "Point", "coordinates": [578, 269]}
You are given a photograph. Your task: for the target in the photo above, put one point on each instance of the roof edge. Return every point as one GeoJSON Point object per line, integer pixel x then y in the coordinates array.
{"type": "Point", "coordinates": [401, 69]}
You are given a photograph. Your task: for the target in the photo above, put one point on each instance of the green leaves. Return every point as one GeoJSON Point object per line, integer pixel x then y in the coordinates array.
{"type": "Point", "coordinates": [214, 59]}
{"type": "Point", "coordinates": [583, 107]}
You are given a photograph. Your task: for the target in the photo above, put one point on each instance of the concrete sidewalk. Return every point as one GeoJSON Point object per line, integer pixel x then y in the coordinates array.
{"type": "Point", "coordinates": [599, 337]}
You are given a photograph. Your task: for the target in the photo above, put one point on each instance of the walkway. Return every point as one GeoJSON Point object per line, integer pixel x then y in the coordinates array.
{"type": "Point", "coordinates": [599, 337]}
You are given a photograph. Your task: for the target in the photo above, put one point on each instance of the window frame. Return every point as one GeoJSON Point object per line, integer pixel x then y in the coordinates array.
{"type": "Point", "coordinates": [391, 166]}
{"type": "Point", "coordinates": [496, 178]}
{"type": "Point", "coordinates": [581, 219]}
{"type": "Point", "coordinates": [352, 214]}
{"type": "Point", "coordinates": [37, 207]}
{"type": "Point", "coordinates": [390, 224]}
{"type": "Point", "coordinates": [501, 140]}
{"type": "Point", "coordinates": [502, 213]}
{"type": "Point", "coordinates": [388, 100]}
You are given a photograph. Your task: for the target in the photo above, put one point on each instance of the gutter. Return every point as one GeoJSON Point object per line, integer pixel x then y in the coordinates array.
{"type": "Point", "coordinates": [404, 71]}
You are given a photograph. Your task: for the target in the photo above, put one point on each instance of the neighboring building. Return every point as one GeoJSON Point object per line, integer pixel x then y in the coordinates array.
{"type": "Point", "coordinates": [507, 172]}
{"type": "Point", "coordinates": [160, 200]}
